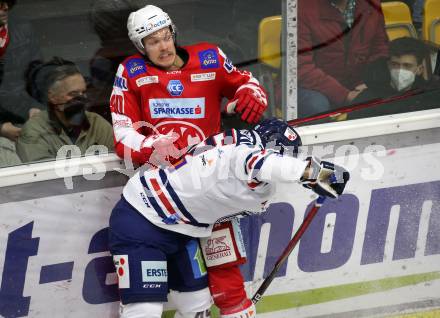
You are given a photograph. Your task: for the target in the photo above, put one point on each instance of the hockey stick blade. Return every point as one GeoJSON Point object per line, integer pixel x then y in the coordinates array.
{"type": "Point", "coordinates": [289, 248]}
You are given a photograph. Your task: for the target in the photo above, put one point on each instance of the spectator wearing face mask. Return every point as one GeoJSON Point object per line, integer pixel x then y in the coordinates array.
{"type": "Point", "coordinates": [403, 72]}
{"type": "Point", "coordinates": [59, 84]}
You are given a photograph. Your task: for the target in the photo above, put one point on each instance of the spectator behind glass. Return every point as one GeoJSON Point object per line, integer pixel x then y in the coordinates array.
{"type": "Point", "coordinates": [7, 128]}
{"type": "Point", "coordinates": [402, 73]}
{"type": "Point", "coordinates": [417, 13]}
{"type": "Point", "coordinates": [8, 155]}
{"type": "Point", "coordinates": [21, 50]}
{"type": "Point", "coordinates": [59, 85]}
{"type": "Point", "coordinates": [8, 134]}
{"type": "Point", "coordinates": [109, 19]}
{"type": "Point", "coordinates": [337, 39]}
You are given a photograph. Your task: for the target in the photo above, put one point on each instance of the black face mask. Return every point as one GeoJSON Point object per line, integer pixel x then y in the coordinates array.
{"type": "Point", "coordinates": [74, 110]}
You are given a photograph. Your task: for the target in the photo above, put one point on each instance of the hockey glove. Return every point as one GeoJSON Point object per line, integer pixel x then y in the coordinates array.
{"type": "Point", "coordinates": [166, 149]}
{"type": "Point", "coordinates": [325, 178]}
{"type": "Point", "coordinates": [250, 101]}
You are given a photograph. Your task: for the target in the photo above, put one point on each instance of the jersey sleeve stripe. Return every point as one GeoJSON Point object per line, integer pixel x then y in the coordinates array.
{"type": "Point", "coordinates": [253, 185]}
{"type": "Point", "coordinates": [177, 200]}
{"type": "Point", "coordinates": [168, 217]}
{"type": "Point", "coordinates": [257, 167]}
{"type": "Point", "coordinates": [152, 199]}
{"type": "Point", "coordinates": [248, 158]}
{"type": "Point", "coordinates": [254, 163]}
{"type": "Point", "coordinates": [251, 159]}
{"type": "Point", "coordinates": [160, 193]}
{"type": "Point", "coordinates": [247, 139]}
{"type": "Point", "coordinates": [251, 162]}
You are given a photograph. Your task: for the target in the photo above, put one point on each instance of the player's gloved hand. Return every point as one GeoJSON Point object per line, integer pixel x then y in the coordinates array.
{"type": "Point", "coordinates": [250, 101]}
{"type": "Point", "coordinates": [325, 178]}
{"type": "Point", "coordinates": [166, 148]}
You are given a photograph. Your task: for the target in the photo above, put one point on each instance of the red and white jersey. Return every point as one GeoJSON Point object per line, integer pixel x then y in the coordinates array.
{"type": "Point", "coordinates": [187, 101]}
{"type": "Point", "coordinates": [223, 176]}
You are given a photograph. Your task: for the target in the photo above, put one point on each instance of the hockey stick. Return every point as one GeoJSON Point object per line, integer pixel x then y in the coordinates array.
{"type": "Point", "coordinates": [289, 248]}
{"type": "Point", "coordinates": [351, 108]}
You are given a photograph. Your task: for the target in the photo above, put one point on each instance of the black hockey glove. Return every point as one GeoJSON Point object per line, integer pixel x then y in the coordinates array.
{"type": "Point", "coordinates": [325, 178]}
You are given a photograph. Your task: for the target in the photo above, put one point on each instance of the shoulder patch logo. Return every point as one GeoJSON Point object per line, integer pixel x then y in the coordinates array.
{"type": "Point", "coordinates": [136, 67]}
{"type": "Point", "coordinates": [209, 59]}
{"type": "Point", "coordinates": [290, 134]}
{"type": "Point", "coordinates": [228, 66]}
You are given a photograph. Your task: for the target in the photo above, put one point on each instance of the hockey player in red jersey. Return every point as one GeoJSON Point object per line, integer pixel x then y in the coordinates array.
{"type": "Point", "coordinates": [166, 98]}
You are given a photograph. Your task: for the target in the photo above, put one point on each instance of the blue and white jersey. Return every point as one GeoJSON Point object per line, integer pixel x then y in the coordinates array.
{"type": "Point", "coordinates": [224, 175]}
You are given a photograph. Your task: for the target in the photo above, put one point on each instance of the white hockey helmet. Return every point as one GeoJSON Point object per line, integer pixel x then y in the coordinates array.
{"type": "Point", "coordinates": [146, 21]}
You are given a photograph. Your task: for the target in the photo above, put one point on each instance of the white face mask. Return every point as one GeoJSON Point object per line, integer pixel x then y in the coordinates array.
{"type": "Point", "coordinates": [402, 79]}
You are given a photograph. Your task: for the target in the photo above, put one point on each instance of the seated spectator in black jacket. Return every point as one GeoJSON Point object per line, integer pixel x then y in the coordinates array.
{"type": "Point", "coordinates": [403, 73]}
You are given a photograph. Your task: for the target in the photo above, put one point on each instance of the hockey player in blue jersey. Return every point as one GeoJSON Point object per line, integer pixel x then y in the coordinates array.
{"type": "Point", "coordinates": [154, 228]}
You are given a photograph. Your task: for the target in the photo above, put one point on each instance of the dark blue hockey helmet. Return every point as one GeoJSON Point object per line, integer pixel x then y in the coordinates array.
{"type": "Point", "coordinates": [276, 134]}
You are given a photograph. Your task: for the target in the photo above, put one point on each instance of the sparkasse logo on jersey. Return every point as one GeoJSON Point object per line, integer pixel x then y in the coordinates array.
{"type": "Point", "coordinates": [208, 59]}
{"type": "Point", "coordinates": [177, 107]}
{"type": "Point", "coordinates": [175, 87]}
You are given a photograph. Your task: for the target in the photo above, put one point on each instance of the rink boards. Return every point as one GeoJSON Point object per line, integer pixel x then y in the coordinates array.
{"type": "Point", "coordinates": [374, 251]}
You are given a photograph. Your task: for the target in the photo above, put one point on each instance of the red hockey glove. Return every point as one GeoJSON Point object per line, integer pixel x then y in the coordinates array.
{"type": "Point", "coordinates": [166, 149]}
{"type": "Point", "coordinates": [250, 101]}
